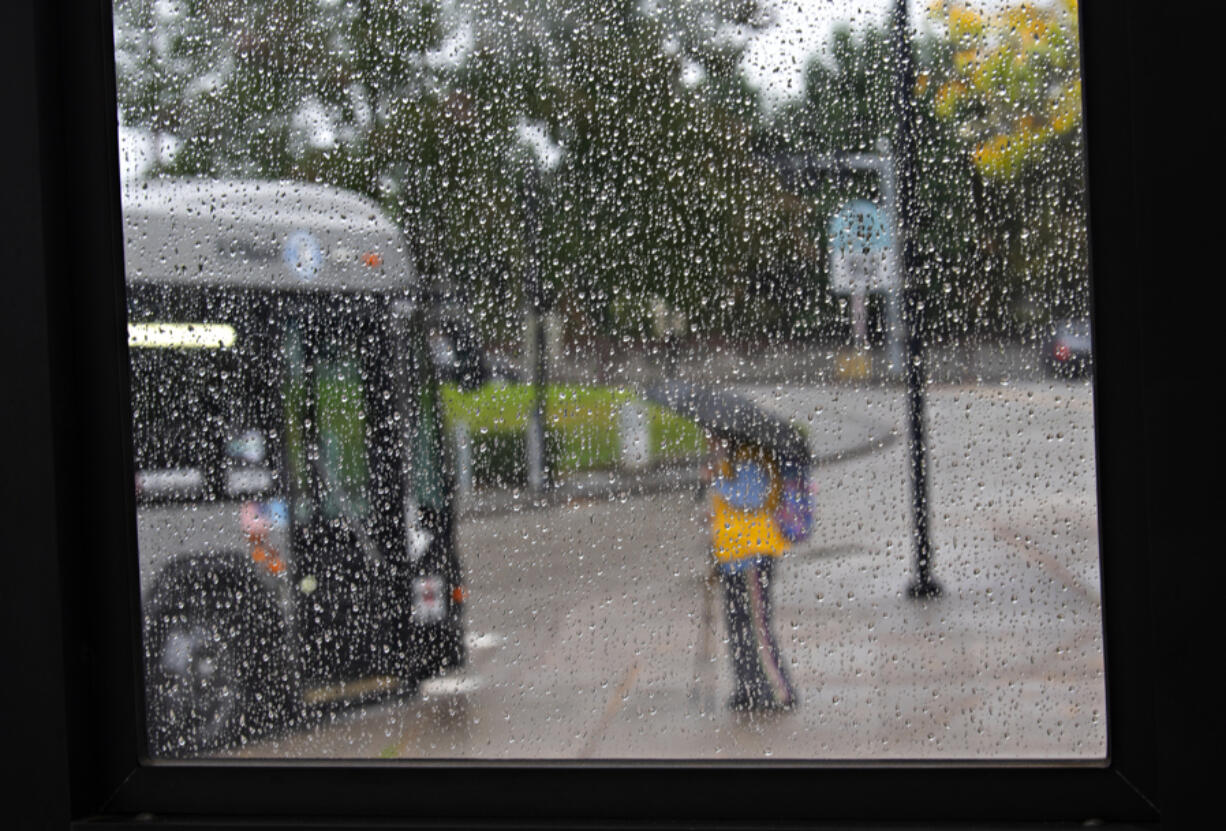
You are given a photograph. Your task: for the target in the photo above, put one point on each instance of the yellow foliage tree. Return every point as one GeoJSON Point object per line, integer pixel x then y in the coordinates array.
{"type": "Point", "coordinates": [1012, 83]}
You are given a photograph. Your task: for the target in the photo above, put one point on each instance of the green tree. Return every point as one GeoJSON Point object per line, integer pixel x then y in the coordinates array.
{"type": "Point", "coordinates": [1011, 83]}
{"type": "Point", "coordinates": [659, 190]}
{"type": "Point", "coordinates": [224, 78]}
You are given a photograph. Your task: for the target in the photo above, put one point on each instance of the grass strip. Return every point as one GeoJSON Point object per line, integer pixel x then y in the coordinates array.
{"type": "Point", "coordinates": [581, 424]}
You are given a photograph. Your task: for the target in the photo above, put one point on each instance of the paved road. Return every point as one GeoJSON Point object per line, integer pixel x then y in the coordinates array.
{"type": "Point", "coordinates": [596, 634]}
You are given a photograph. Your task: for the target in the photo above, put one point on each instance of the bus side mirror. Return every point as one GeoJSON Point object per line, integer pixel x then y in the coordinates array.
{"type": "Point", "coordinates": [248, 447]}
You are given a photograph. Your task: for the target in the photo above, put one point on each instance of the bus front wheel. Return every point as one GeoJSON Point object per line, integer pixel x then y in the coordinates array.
{"type": "Point", "coordinates": [203, 667]}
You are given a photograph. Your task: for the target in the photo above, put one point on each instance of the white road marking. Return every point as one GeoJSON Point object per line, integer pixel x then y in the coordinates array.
{"type": "Point", "coordinates": [451, 685]}
{"type": "Point", "coordinates": [483, 640]}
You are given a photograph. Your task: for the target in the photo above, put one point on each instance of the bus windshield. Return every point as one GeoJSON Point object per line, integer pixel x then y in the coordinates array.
{"type": "Point", "coordinates": [244, 393]}
{"type": "Point", "coordinates": [201, 415]}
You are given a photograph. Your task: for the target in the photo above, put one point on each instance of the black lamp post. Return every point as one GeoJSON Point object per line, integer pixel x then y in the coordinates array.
{"type": "Point", "coordinates": [923, 586]}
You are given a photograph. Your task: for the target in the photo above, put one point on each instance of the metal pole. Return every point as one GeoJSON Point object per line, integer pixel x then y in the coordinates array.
{"type": "Point", "coordinates": [535, 450]}
{"type": "Point", "coordinates": [923, 586]}
{"type": "Point", "coordinates": [893, 300]}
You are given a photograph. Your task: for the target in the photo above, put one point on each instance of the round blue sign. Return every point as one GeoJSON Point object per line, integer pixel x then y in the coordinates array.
{"type": "Point", "coordinates": [859, 226]}
{"type": "Point", "coordinates": [303, 254]}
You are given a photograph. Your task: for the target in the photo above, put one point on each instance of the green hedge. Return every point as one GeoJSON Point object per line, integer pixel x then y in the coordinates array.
{"type": "Point", "coordinates": [581, 428]}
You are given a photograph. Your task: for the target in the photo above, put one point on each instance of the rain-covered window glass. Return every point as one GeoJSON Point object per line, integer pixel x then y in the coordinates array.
{"type": "Point", "coordinates": [687, 379]}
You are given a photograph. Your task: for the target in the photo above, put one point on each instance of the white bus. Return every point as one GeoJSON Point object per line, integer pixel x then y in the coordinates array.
{"type": "Point", "coordinates": [295, 499]}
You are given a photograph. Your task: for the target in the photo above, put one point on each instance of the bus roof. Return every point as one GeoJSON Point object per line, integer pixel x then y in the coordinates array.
{"type": "Point", "coordinates": [289, 236]}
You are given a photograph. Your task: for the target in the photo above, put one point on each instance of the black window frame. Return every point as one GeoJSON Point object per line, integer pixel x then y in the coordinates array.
{"type": "Point", "coordinates": [71, 597]}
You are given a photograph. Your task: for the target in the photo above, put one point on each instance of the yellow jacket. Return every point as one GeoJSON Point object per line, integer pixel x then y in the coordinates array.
{"type": "Point", "coordinates": [741, 533]}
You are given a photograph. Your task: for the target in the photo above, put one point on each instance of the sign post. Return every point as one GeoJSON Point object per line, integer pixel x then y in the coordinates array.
{"type": "Point", "coordinates": [860, 243]}
{"type": "Point", "coordinates": [861, 246]}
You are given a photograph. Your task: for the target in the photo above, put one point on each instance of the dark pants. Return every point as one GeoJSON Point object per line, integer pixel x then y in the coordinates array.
{"type": "Point", "coordinates": [761, 681]}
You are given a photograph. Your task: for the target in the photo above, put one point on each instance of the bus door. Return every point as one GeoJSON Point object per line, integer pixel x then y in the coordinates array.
{"type": "Point", "coordinates": [342, 461]}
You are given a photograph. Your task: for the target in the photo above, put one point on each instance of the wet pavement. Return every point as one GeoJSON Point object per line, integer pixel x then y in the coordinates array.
{"type": "Point", "coordinates": [595, 630]}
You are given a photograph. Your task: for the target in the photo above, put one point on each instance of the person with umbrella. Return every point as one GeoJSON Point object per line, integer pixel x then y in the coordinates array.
{"type": "Point", "coordinates": [746, 542]}
{"type": "Point", "coordinates": [759, 506]}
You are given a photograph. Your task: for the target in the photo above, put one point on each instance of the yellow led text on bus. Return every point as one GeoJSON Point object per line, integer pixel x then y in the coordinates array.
{"type": "Point", "coordinates": [181, 335]}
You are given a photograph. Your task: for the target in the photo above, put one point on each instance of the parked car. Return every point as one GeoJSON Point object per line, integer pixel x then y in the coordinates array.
{"type": "Point", "coordinates": [1068, 351]}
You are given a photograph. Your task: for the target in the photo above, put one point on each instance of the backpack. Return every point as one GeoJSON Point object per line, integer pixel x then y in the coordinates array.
{"type": "Point", "coordinates": [794, 514]}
